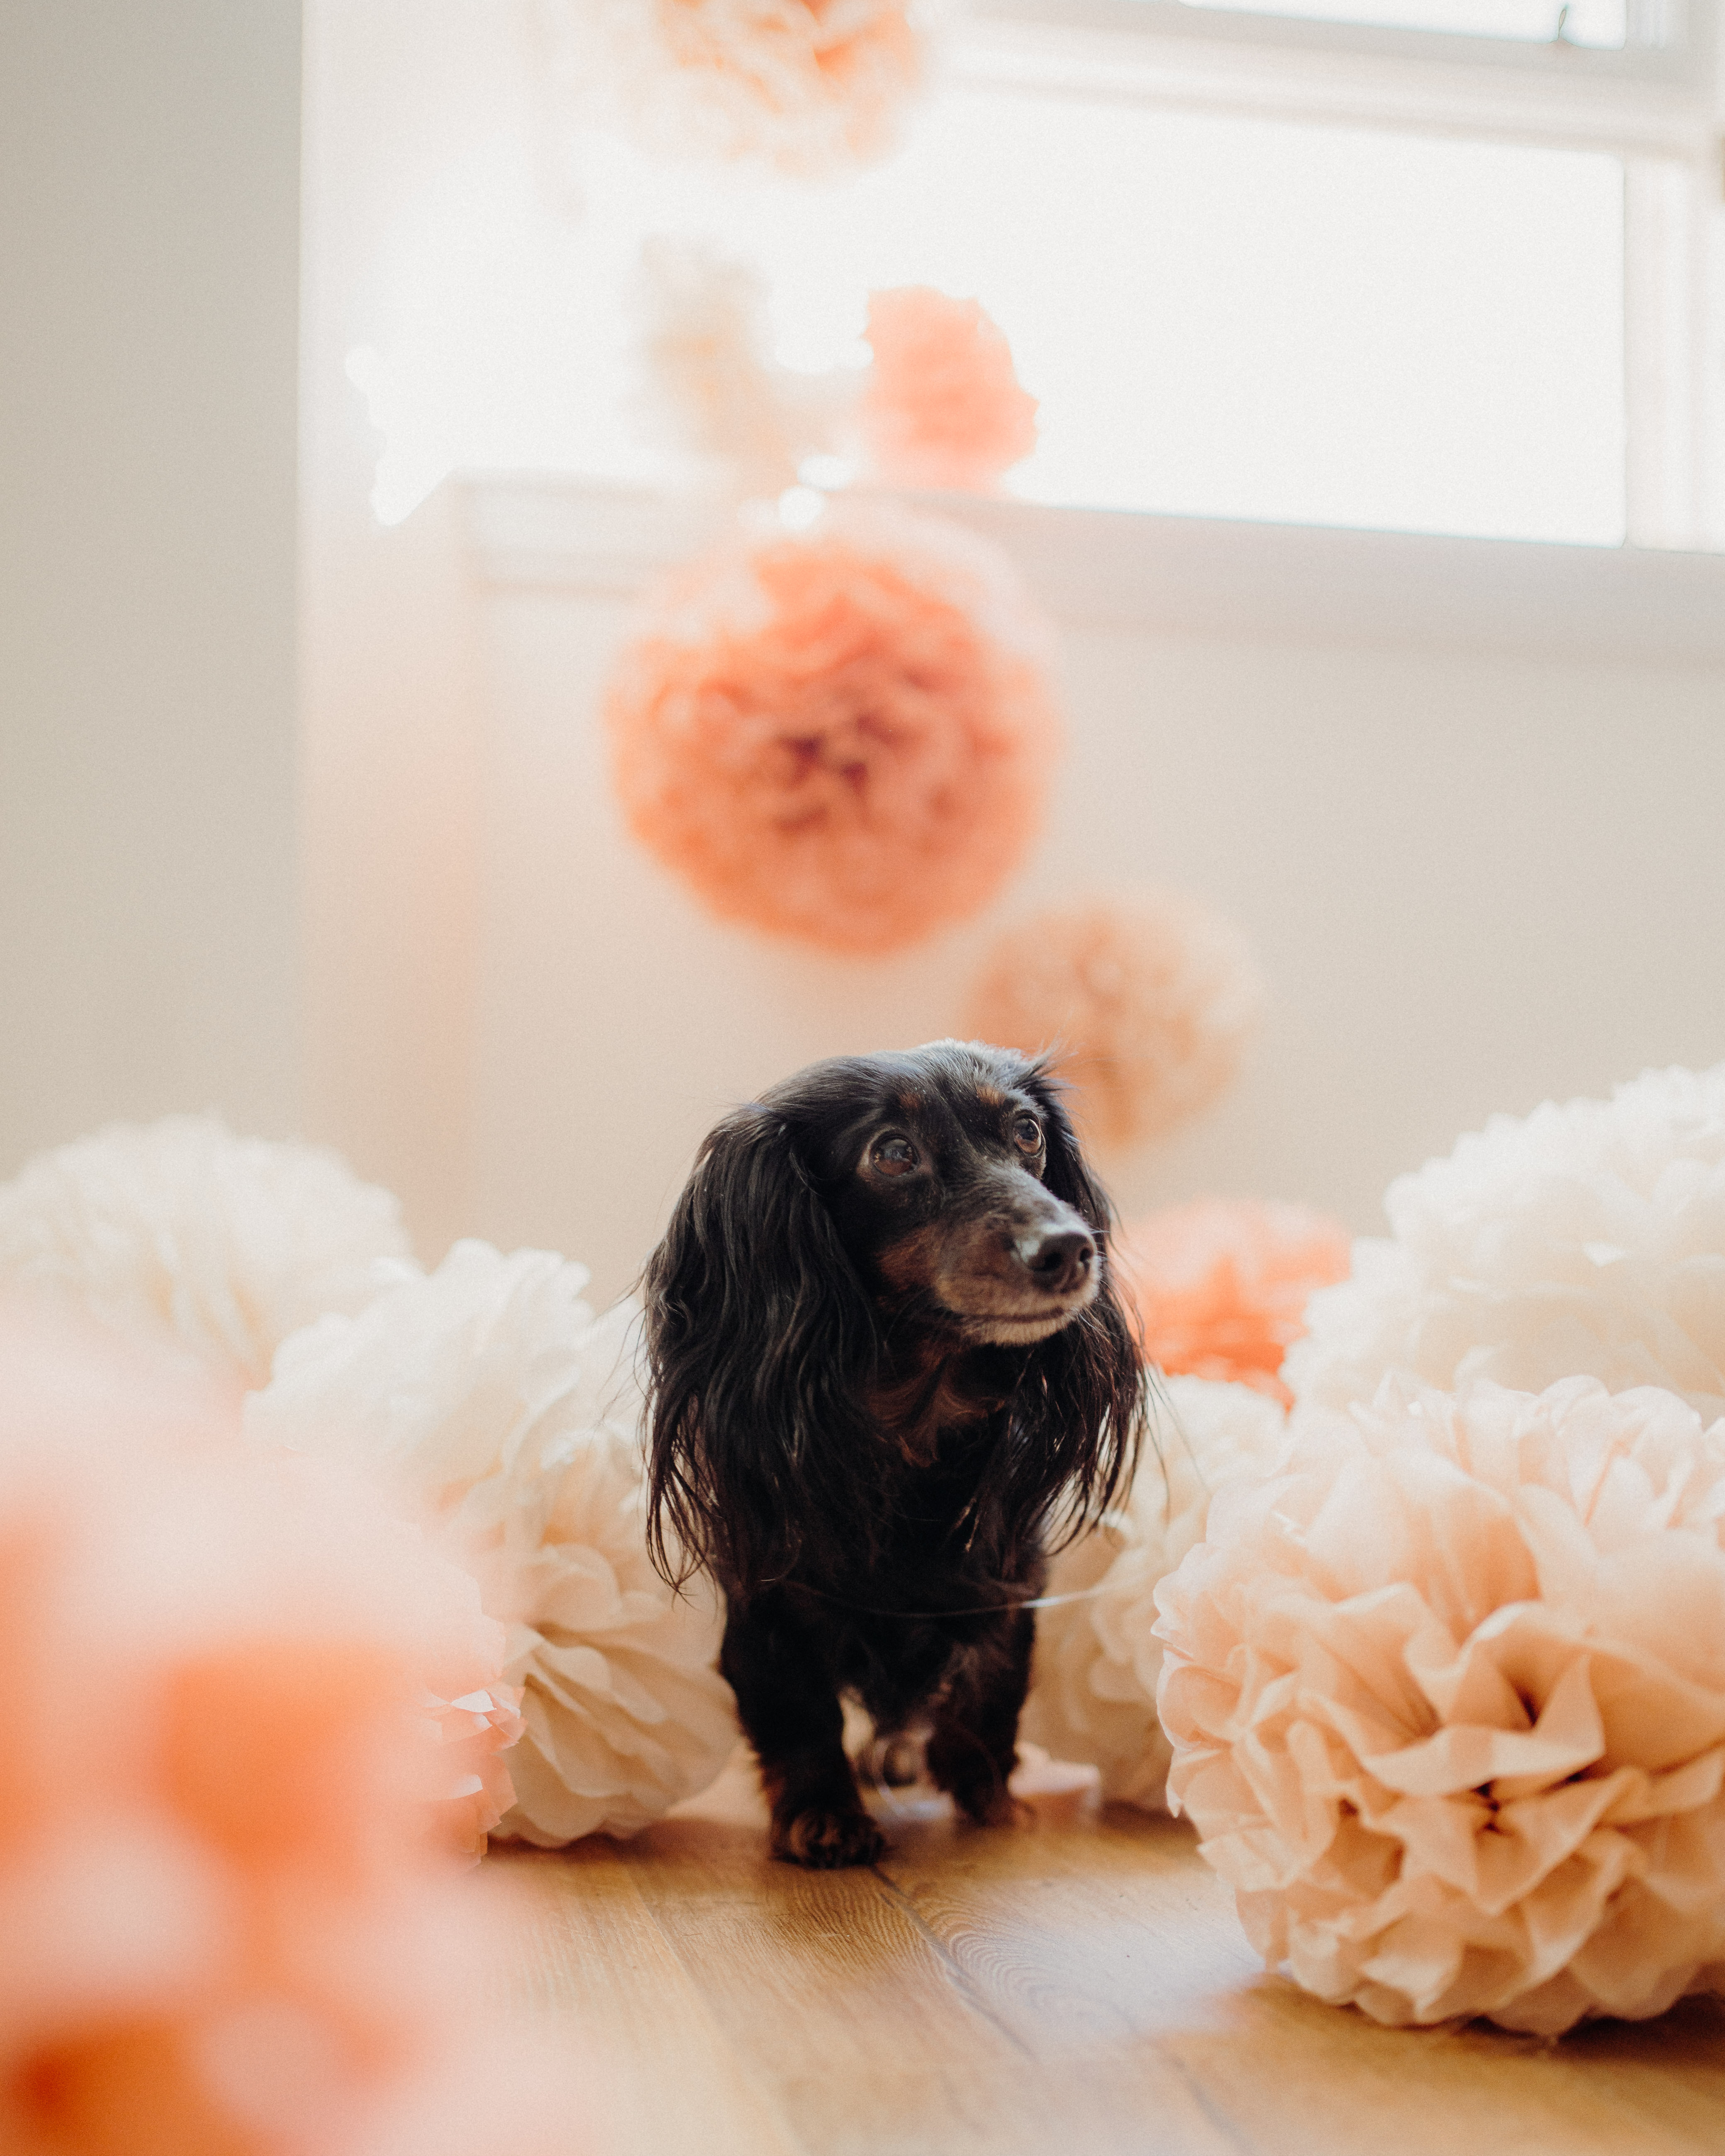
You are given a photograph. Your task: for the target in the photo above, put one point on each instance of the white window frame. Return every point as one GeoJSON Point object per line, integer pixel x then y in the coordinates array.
{"type": "Point", "coordinates": [1654, 104]}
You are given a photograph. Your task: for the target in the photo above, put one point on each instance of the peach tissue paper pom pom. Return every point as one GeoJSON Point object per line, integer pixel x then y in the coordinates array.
{"type": "Point", "coordinates": [1092, 1696]}
{"type": "Point", "coordinates": [712, 388]}
{"type": "Point", "coordinates": [227, 1931]}
{"type": "Point", "coordinates": [183, 1233]}
{"type": "Point", "coordinates": [814, 87]}
{"type": "Point", "coordinates": [1446, 1692]}
{"type": "Point", "coordinates": [1221, 1284]}
{"type": "Point", "coordinates": [1148, 1004]}
{"type": "Point", "coordinates": [843, 736]}
{"type": "Point", "coordinates": [943, 406]}
{"type": "Point", "coordinates": [1585, 1239]}
{"type": "Point", "coordinates": [506, 1418]}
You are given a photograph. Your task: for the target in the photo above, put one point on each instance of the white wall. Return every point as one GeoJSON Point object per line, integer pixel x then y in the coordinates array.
{"type": "Point", "coordinates": [1464, 798]}
{"type": "Point", "coordinates": [149, 229]}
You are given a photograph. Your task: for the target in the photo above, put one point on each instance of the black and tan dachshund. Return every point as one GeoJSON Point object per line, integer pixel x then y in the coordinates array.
{"type": "Point", "coordinates": [887, 1363]}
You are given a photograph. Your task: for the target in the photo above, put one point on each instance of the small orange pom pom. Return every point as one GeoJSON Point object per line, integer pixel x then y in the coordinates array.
{"type": "Point", "coordinates": [944, 407]}
{"type": "Point", "coordinates": [1221, 1286]}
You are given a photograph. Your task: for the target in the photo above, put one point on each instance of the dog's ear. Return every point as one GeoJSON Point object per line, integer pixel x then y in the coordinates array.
{"type": "Point", "coordinates": [761, 1344]}
{"type": "Point", "coordinates": [1085, 1399]}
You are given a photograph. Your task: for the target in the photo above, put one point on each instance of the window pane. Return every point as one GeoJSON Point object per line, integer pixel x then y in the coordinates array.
{"type": "Point", "coordinates": [1221, 317]}
{"type": "Point", "coordinates": [1584, 22]}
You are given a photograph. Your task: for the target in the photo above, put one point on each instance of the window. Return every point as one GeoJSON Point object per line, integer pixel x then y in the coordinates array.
{"type": "Point", "coordinates": [1319, 263]}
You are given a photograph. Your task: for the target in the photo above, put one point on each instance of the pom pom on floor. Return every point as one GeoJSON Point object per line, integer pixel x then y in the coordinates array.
{"type": "Point", "coordinates": [1220, 1286]}
{"type": "Point", "coordinates": [1092, 1696]}
{"type": "Point", "coordinates": [185, 1234]}
{"type": "Point", "coordinates": [1587, 1238]}
{"type": "Point", "coordinates": [1149, 1001]}
{"type": "Point", "coordinates": [1446, 1692]}
{"type": "Point", "coordinates": [842, 736]}
{"type": "Point", "coordinates": [507, 1418]}
{"type": "Point", "coordinates": [226, 1928]}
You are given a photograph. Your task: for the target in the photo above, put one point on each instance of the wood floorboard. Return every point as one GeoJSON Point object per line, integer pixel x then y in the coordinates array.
{"type": "Point", "coordinates": [1078, 1986]}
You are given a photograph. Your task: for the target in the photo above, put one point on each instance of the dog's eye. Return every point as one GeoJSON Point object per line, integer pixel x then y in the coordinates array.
{"type": "Point", "coordinates": [1027, 1134]}
{"type": "Point", "coordinates": [894, 1155]}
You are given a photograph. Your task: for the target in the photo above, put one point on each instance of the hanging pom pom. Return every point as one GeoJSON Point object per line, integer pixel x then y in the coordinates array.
{"type": "Point", "coordinates": [843, 736]}
{"type": "Point", "coordinates": [712, 388]}
{"type": "Point", "coordinates": [1220, 1286]}
{"type": "Point", "coordinates": [183, 1233]}
{"type": "Point", "coordinates": [943, 406]}
{"type": "Point", "coordinates": [814, 87]}
{"type": "Point", "coordinates": [1147, 1001]}
{"type": "Point", "coordinates": [1586, 1239]}
{"type": "Point", "coordinates": [507, 1418]}
{"type": "Point", "coordinates": [1092, 1696]}
{"type": "Point", "coordinates": [1446, 1692]}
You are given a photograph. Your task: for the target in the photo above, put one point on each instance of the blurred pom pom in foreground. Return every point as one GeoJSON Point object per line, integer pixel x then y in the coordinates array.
{"type": "Point", "coordinates": [228, 1931]}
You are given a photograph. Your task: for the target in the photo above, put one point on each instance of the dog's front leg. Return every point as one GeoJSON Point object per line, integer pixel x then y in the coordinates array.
{"type": "Point", "coordinates": [789, 1708]}
{"type": "Point", "coordinates": [973, 1747]}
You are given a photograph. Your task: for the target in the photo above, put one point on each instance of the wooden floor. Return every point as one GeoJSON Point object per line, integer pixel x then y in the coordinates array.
{"type": "Point", "coordinates": [1076, 1987]}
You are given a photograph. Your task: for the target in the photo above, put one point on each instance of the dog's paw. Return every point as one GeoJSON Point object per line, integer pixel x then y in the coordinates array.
{"type": "Point", "coordinates": [828, 1840]}
{"type": "Point", "coordinates": [993, 1806]}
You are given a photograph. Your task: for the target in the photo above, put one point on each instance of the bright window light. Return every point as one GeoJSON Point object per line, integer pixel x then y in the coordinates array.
{"type": "Point", "coordinates": [1580, 22]}
{"type": "Point", "coordinates": [1221, 317]}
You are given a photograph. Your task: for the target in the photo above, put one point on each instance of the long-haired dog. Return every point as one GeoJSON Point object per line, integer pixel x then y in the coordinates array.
{"type": "Point", "coordinates": [886, 1363]}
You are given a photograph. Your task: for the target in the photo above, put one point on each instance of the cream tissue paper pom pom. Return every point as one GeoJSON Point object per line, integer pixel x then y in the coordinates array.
{"type": "Point", "coordinates": [1092, 1695]}
{"type": "Point", "coordinates": [183, 1232]}
{"type": "Point", "coordinates": [508, 1418]}
{"type": "Point", "coordinates": [711, 385]}
{"type": "Point", "coordinates": [1446, 1692]}
{"type": "Point", "coordinates": [1586, 1239]}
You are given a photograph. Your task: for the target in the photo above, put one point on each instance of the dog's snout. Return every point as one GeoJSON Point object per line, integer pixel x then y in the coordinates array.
{"type": "Point", "coordinates": [1058, 1258]}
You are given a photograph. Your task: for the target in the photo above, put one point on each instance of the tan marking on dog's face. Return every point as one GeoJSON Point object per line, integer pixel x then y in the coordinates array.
{"type": "Point", "coordinates": [912, 1262]}
{"type": "Point", "coordinates": [909, 1105]}
{"type": "Point", "coordinates": [991, 1097]}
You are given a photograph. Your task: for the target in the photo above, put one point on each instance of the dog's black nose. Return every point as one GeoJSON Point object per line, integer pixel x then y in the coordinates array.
{"type": "Point", "coordinates": [1059, 1260]}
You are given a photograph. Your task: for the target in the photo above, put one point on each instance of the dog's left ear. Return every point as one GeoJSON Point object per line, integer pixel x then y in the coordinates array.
{"type": "Point", "coordinates": [1086, 1397]}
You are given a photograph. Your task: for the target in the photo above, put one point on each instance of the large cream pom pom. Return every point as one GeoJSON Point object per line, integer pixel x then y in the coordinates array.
{"type": "Point", "coordinates": [1093, 1685]}
{"type": "Point", "coordinates": [508, 1419]}
{"type": "Point", "coordinates": [182, 1231]}
{"type": "Point", "coordinates": [1447, 1697]}
{"type": "Point", "coordinates": [1587, 1238]}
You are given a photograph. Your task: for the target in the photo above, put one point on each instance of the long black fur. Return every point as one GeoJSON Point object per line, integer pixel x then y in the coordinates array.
{"type": "Point", "coordinates": [868, 1539]}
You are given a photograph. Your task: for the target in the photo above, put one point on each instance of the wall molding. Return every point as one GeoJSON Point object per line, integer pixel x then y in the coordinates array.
{"type": "Point", "coordinates": [1198, 577]}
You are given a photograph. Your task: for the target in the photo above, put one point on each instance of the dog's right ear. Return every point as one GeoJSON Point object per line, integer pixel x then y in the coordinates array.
{"type": "Point", "coordinates": [761, 1344]}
